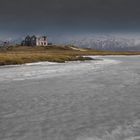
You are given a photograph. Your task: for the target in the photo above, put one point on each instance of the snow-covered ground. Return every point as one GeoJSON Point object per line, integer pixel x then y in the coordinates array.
{"type": "Point", "coordinates": [92, 100]}
{"type": "Point", "coordinates": [49, 69]}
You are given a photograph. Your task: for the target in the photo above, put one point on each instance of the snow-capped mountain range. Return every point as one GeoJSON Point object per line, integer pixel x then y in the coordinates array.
{"type": "Point", "coordinates": [104, 42]}
{"type": "Point", "coordinates": [100, 42]}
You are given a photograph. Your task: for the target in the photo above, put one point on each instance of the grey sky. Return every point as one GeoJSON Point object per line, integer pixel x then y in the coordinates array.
{"type": "Point", "coordinates": [73, 16]}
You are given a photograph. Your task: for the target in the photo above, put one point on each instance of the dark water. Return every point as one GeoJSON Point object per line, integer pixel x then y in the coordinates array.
{"type": "Point", "coordinates": [73, 101]}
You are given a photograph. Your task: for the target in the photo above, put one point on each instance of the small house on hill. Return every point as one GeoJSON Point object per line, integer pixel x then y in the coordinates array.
{"type": "Point", "coordinates": [35, 41]}
{"type": "Point", "coordinates": [42, 41]}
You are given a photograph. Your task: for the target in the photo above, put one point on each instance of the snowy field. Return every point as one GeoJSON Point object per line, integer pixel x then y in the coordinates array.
{"type": "Point", "coordinates": [92, 100]}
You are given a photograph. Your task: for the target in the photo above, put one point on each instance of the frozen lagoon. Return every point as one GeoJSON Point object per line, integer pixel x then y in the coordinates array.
{"type": "Point", "coordinates": [93, 100]}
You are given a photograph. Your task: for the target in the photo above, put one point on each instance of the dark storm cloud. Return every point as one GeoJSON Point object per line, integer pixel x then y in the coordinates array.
{"type": "Point", "coordinates": [62, 15]}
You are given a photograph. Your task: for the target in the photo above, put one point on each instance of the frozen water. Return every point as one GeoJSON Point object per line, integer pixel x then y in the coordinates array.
{"type": "Point", "coordinates": [93, 100]}
{"type": "Point", "coordinates": [48, 69]}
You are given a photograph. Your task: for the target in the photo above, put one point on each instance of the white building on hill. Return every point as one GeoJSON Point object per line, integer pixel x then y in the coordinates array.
{"type": "Point", "coordinates": [41, 41]}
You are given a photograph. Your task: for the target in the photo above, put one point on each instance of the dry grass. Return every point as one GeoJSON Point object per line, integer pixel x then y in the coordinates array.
{"type": "Point", "coordinates": [21, 55]}
{"type": "Point", "coordinates": [10, 58]}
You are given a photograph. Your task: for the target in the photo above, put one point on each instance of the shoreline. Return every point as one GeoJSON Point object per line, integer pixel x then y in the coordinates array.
{"type": "Point", "coordinates": [23, 55]}
{"type": "Point", "coordinates": [45, 70]}
{"type": "Point", "coordinates": [56, 60]}
{"type": "Point", "coordinates": [63, 60]}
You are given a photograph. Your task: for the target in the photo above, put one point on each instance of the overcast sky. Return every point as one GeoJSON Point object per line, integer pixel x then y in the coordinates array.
{"type": "Point", "coordinates": [18, 17]}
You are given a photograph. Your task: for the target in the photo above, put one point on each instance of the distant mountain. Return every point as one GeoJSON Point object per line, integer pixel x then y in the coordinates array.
{"type": "Point", "coordinates": [113, 43]}
{"type": "Point", "coordinates": [15, 41]}
{"type": "Point", "coordinates": [10, 42]}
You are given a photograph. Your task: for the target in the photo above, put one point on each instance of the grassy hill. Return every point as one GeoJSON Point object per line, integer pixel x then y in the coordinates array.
{"type": "Point", "coordinates": [55, 53]}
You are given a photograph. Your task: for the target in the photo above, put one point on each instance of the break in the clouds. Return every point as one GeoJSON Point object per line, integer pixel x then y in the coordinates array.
{"type": "Point", "coordinates": [69, 16]}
